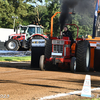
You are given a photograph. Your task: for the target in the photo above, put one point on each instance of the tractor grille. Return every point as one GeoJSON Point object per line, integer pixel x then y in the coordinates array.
{"type": "Point", "coordinates": [58, 48]}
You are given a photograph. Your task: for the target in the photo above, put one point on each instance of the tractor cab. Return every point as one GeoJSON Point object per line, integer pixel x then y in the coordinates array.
{"type": "Point", "coordinates": [33, 29]}
{"type": "Point", "coordinates": [27, 31]}
{"type": "Point", "coordinates": [23, 29]}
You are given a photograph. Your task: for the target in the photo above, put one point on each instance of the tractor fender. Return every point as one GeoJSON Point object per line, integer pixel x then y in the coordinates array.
{"type": "Point", "coordinates": [39, 35]}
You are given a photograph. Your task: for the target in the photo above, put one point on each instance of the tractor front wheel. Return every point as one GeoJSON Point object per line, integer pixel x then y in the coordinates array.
{"type": "Point", "coordinates": [12, 45]}
{"type": "Point", "coordinates": [41, 63]}
{"type": "Point", "coordinates": [73, 65]}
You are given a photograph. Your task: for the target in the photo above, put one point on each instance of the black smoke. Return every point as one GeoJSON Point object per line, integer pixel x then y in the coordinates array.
{"type": "Point", "coordinates": [80, 7]}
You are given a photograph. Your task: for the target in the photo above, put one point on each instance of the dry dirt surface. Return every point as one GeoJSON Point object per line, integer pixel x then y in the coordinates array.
{"type": "Point", "coordinates": [19, 82]}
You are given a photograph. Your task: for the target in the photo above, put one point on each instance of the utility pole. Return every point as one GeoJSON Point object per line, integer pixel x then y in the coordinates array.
{"type": "Point", "coordinates": [14, 20]}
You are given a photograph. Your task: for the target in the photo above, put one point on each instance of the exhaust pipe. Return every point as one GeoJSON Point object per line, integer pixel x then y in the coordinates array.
{"type": "Point", "coordinates": [60, 36]}
{"type": "Point", "coordinates": [60, 32]}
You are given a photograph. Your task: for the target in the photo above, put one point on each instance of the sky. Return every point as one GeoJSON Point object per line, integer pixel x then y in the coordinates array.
{"type": "Point", "coordinates": [38, 3]}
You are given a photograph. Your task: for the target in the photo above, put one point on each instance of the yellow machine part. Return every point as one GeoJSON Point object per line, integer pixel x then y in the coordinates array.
{"type": "Point", "coordinates": [89, 37]}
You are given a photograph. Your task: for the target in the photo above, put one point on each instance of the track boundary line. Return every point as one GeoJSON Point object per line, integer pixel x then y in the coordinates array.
{"type": "Point", "coordinates": [65, 94]}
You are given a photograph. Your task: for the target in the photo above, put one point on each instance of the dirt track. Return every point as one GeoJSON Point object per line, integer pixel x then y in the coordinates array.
{"type": "Point", "coordinates": [22, 83]}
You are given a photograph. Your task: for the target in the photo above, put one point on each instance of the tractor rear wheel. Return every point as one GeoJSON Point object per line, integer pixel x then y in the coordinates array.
{"type": "Point", "coordinates": [12, 45]}
{"type": "Point", "coordinates": [41, 63]}
{"type": "Point", "coordinates": [73, 65]}
{"type": "Point", "coordinates": [83, 56]}
{"type": "Point", "coordinates": [48, 49]}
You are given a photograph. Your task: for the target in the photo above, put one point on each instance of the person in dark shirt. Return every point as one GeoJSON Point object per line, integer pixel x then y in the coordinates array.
{"type": "Point", "coordinates": [67, 33]}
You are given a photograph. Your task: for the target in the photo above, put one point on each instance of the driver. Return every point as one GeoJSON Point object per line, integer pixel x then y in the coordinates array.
{"type": "Point", "coordinates": [67, 33]}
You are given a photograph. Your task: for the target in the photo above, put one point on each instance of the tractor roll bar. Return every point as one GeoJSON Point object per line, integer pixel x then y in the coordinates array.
{"type": "Point", "coordinates": [52, 22]}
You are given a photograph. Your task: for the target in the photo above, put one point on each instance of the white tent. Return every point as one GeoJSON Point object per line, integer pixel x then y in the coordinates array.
{"type": "Point", "coordinates": [5, 32]}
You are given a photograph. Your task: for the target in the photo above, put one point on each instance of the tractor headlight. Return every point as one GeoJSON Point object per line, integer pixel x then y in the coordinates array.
{"type": "Point", "coordinates": [58, 42]}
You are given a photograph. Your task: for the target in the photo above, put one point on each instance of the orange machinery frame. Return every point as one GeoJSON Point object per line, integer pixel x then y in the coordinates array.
{"type": "Point", "coordinates": [93, 46]}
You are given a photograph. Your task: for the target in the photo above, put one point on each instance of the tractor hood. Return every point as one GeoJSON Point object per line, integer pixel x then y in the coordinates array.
{"type": "Point", "coordinates": [17, 34]}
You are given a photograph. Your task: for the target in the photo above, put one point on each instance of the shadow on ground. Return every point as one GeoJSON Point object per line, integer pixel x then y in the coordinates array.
{"type": "Point", "coordinates": [27, 66]}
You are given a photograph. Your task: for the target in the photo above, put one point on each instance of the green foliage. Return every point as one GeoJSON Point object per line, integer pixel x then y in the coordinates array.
{"type": "Point", "coordinates": [5, 13]}
{"type": "Point", "coordinates": [28, 14]}
{"type": "Point", "coordinates": [85, 24]}
{"type": "Point", "coordinates": [53, 7]}
{"type": "Point", "coordinates": [26, 58]}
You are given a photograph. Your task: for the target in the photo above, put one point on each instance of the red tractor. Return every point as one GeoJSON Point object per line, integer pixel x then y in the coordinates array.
{"type": "Point", "coordinates": [58, 51]}
{"type": "Point", "coordinates": [23, 39]}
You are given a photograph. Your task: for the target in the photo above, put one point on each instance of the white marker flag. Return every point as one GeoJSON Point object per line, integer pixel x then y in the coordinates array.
{"type": "Point", "coordinates": [86, 91]}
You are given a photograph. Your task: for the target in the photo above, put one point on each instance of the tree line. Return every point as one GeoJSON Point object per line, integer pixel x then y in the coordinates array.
{"type": "Point", "coordinates": [41, 14]}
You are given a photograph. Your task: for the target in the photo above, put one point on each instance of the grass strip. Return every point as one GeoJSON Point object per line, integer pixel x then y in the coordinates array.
{"type": "Point", "coordinates": [18, 59]}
